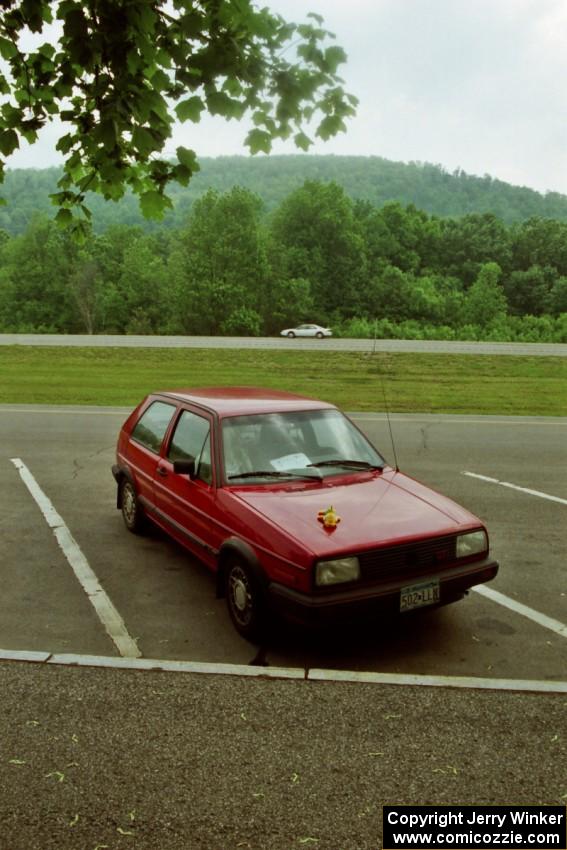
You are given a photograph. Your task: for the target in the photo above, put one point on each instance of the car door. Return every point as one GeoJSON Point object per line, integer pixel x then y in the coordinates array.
{"type": "Point", "coordinates": [144, 447]}
{"type": "Point", "coordinates": [186, 506]}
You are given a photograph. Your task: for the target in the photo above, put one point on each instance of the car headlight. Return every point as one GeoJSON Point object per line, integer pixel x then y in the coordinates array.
{"type": "Point", "coordinates": [336, 572]}
{"type": "Point", "coordinates": [471, 543]}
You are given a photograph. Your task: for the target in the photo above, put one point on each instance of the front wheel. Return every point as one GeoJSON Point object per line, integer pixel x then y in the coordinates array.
{"type": "Point", "coordinates": [244, 600]}
{"type": "Point", "coordinates": [291, 335]}
{"type": "Point", "coordinates": [132, 512]}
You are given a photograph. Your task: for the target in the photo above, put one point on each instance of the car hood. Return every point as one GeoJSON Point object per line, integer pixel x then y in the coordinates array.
{"type": "Point", "coordinates": [375, 510]}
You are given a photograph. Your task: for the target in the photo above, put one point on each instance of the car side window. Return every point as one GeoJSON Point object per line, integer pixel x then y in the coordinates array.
{"type": "Point", "coordinates": [192, 439]}
{"type": "Point", "coordinates": [151, 426]}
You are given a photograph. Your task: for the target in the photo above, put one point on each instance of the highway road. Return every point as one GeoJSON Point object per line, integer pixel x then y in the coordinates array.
{"type": "Point", "coordinates": [533, 349]}
{"type": "Point", "coordinates": [154, 757]}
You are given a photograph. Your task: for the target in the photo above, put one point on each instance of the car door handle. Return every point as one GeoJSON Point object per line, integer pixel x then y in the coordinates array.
{"type": "Point", "coordinates": [161, 470]}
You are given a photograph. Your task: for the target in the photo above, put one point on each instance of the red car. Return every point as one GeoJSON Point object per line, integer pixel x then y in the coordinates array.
{"type": "Point", "coordinates": [292, 508]}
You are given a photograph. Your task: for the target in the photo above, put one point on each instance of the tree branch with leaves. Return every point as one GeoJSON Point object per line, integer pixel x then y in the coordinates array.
{"type": "Point", "coordinates": [121, 72]}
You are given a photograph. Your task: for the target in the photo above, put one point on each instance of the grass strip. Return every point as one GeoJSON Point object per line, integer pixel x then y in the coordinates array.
{"type": "Point", "coordinates": [435, 383]}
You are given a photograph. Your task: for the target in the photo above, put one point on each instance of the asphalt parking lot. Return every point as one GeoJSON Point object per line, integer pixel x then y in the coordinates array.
{"type": "Point", "coordinates": [166, 599]}
{"type": "Point", "coordinates": [132, 727]}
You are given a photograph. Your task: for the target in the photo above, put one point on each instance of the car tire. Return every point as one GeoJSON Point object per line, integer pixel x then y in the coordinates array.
{"type": "Point", "coordinates": [244, 599]}
{"type": "Point", "coordinates": [132, 513]}
{"type": "Point", "coordinates": [319, 335]}
{"type": "Point", "coordinates": [291, 335]}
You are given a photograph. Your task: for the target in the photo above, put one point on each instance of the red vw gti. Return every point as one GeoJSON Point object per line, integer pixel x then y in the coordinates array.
{"type": "Point", "coordinates": [292, 508]}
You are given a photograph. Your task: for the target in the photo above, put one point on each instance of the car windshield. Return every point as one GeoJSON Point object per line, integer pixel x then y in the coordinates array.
{"type": "Point", "coordinates": [304, 444]}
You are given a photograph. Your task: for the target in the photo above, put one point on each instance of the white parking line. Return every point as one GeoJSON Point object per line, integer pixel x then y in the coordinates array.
{"type": "Point", "coordinates": [310, 675]}
{"type": "Point", "coordinates": [107, 613]}
{"type": "Point", "coordinates": [517, 487]}
{"type": "Point", "coordinates": [468, 682]}
{"type": "Point", "coordinates": [500, 598]}
{"type": "Point", "coordinates": [541, 619]}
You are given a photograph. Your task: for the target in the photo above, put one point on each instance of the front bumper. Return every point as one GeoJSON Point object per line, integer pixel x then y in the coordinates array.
{"type": "Point", "coordinates": [364, 602]}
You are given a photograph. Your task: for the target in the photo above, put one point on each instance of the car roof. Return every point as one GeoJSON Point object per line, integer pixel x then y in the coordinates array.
{"type": "Point", "coordinates": [236, 401]}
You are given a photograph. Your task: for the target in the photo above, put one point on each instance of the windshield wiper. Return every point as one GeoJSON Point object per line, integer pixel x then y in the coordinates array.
{"type": "Point", "coordinates": [354, 464]}
{"type": "Point", "coordinates": [273, 473]}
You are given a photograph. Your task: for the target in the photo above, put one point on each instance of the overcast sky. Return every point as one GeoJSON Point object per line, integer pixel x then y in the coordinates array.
{"type": "Point", "coordinates": [479, 85]}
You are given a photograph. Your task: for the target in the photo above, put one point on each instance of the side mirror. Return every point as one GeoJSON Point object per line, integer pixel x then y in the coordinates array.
{"type": "Point", "coordinates": [184, 467]}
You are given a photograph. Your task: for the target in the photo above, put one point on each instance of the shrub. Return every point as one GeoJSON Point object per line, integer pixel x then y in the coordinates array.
{"type": "Point", "coordinates": [242, 322]}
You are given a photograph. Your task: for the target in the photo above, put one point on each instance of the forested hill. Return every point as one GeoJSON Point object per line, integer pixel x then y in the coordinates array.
{"type": "Point", "coordinates": [374, 179]}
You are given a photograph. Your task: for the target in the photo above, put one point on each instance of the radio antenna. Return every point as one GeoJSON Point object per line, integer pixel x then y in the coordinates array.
{"type": "Point", "coordinates": [387, 407]}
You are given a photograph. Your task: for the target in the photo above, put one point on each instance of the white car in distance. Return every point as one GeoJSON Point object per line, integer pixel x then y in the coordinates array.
{"type": "Point", "coordinates": [307, 330]}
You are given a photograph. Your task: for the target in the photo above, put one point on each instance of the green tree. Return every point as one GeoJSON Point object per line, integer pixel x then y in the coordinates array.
{"type": "Point", "coordinates": [118, 73]}
{"type": "Point", "coordinates": [141, 286]}
{"type": "Point", "coordinates": [288, 303]}
{"type": "Point", "coordinates": [321, 239]}
{"type": "Point", "coordinates": [108, 252]}
{"type": "Point", "coordinates": [37, 268]}
{"type": "Point", "coordinates": [7, 301]}
{"type": "Point", "coordinates": [528, 291]}
{"type": "Point", "coordinates": [469, 242]}
{"type": "Point", "coordinates": [390, 295]}
{"type": "Point", "coordinates": [242, 321]}
{"type": "Point", "coordinates": [399, 236]}
{"type": "Point", "coordinates": [557, 300]}
{"type": "Point", "coordinates": [485, 301]}
{"type": "Point", "coordinates": [85, 286]}
{"type": "Point", "coordinates": [222, 268]}
{"type": "Point", "coordinates": [540, 242]}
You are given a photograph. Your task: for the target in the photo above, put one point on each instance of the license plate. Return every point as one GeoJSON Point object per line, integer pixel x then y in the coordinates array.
{"type": "Point", "coordinates": [418, 595]}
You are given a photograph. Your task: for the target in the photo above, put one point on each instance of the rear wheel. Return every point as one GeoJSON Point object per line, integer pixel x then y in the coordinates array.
{"type": "Point", "coordinates": [319, 335]}
{"type": "Point", "coordinates": [244, 599]}
{"type": "Point", "coordinates": [132, 512]}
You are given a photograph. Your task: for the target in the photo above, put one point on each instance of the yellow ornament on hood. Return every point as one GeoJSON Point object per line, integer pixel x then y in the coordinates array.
{"type": "Point", "coordinates": [329, 518]}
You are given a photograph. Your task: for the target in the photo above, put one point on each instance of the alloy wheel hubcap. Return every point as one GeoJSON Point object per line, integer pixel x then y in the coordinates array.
{"type": "Point", "coordinates": [129, 504]}
{"type": "Point", "coordinates": [240, 595]}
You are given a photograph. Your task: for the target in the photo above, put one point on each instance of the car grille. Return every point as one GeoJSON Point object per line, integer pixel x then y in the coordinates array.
{"type": "Point", "coordinates": [411, 559]}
